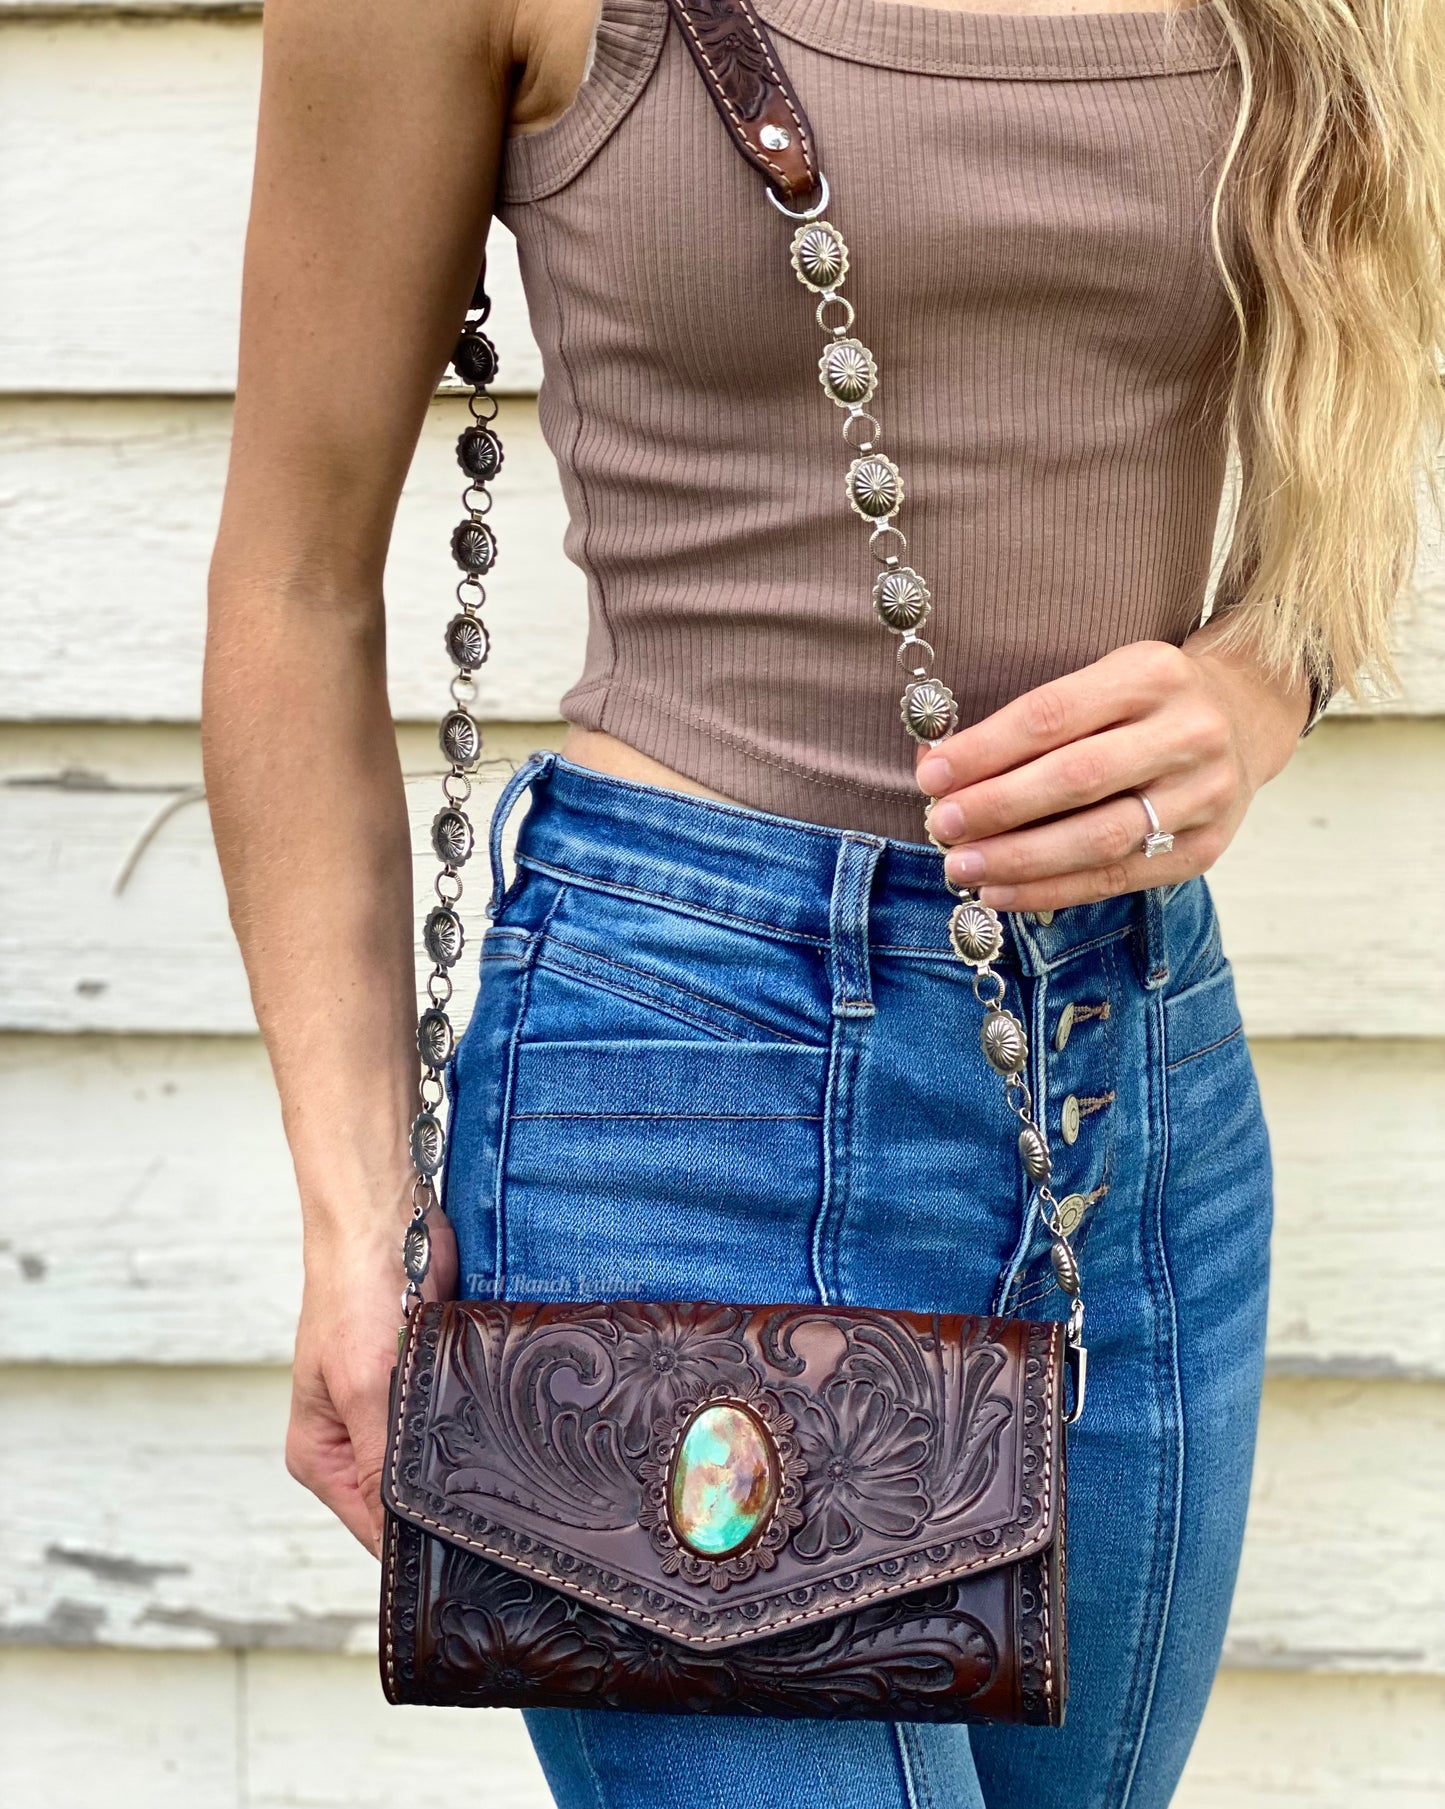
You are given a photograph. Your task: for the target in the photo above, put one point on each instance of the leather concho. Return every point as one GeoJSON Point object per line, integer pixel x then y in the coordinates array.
{"type": "Point", "coordinates": [693, 1507]}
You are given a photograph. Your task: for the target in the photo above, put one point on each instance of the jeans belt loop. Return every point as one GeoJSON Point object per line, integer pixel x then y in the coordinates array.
{"type": "Point", "coordinates": [848, 913]}
{"type": "Point", "coordinates": [534, 767]}
{"type": "Point", "coordinates": [1154, 946]}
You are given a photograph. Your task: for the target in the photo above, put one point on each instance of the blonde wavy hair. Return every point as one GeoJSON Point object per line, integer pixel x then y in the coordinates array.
{"type": "Point", "coordinates": [1335, 172]}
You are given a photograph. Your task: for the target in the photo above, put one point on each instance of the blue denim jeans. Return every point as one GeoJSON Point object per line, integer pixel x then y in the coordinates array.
{"type": "Point", "coordinates": [721, 1054]}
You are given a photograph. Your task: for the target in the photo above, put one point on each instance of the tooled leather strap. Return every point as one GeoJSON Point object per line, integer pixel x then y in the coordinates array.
{"type": "Point", "coordinates": [741, 71]}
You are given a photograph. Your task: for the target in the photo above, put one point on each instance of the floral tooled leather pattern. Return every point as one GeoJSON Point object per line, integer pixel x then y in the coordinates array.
{"type": "Point", "coordinates": [927, 1449]}
{"type": "Point", "coordinates": [735, 57]}
{"type": "Point", "coordinates": [486, 1636]}
{"type": "Point", "coordinates": [735, 51]}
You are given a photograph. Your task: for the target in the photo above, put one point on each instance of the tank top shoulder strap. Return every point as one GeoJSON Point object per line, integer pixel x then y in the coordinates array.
{"type": "Point", "coordinates": [630, 34]}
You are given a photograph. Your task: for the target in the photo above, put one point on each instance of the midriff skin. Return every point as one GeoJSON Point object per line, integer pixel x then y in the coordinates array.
{"type": "Point", "coordinates": [604, 753]}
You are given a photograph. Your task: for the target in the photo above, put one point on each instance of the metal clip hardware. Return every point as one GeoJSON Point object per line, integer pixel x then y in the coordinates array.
{"type": "Point", "coordinates": [1076, 1355]}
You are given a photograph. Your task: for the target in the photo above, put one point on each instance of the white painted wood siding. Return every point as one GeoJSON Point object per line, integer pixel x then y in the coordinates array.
{"type": "Point", "coordinates": [181, 1625]}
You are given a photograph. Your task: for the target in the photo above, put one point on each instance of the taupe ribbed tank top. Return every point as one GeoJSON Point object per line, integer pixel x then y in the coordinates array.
{"type": "Point", "coordinates": [1026, 201]}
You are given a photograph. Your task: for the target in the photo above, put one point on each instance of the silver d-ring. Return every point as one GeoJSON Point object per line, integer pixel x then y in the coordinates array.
{"type": "Point", "coordinates": [1158, 841]}
{"type": "Point", "coordinates": [796, 213]}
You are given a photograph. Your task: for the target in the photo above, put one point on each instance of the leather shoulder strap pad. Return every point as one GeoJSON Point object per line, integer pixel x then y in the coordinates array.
{"type": "Point", "coordinates": [735, 55]}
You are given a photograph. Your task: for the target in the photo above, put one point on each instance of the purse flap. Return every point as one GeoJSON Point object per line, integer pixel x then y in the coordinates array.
{"type": "Point", "coordinates": [719, 1472]}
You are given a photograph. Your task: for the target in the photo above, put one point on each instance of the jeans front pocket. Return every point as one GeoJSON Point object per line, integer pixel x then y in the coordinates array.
{"type": "Point", "coordinates": [1218, 1196]}
{"type": "Point", "coordinates": [662, 1129]}
{"type": "Point", "coordinates": [642, 969]}
{"type": "Point", "coordinates": [649, 1168]}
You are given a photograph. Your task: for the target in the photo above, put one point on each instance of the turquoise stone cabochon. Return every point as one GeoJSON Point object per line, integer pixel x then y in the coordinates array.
{"type": "Point", "coordinates": [724, 1480]}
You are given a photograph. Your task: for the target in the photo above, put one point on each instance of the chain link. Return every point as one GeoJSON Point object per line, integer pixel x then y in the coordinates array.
{"type": "Point", "coordinates": [475, 361]}
{"type": "Point", "coordinates": [874, 490]}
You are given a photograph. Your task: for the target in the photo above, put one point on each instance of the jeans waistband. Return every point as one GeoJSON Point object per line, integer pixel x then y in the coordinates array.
{"type": "Point", "coordinates": [841, 889]}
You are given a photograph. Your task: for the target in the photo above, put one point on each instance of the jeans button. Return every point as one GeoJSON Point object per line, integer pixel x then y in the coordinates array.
{"type": "Point", "coordinates": [1070, 1125]}
{"type": "Point", "coordinates": [1070, 1210]}
{"type": "Point", "coordinates": [1043, 917]}
{"type": "Point", "coordinates": [1063, 1027]}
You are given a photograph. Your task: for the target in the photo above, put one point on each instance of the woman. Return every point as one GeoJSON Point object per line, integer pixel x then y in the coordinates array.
{"type": "Point", "coordinates": [721, 1051]}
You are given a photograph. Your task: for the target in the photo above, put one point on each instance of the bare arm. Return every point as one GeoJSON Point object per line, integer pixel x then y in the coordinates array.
{"type": "Point", "coordinates": [379, 142]}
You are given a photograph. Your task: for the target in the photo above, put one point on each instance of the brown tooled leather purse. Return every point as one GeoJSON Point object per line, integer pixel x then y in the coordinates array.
{"type": "Point", "coordinates": [709, 1507]}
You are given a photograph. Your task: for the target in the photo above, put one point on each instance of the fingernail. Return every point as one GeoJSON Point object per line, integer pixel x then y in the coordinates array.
{"type": "Point", "coordinates": [946, 822]}
{"type": "Point", "coordinates": [1001, 898]}
{"type": "Point", "coordinates": [964, 865]}
{"type": "Point", "coordinates": [935, 775]}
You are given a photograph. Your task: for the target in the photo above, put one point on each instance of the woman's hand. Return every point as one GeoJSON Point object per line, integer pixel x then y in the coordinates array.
{"type": "Point", "coordinates": [341, 1374]}
{"type": "Point", "coordinates": [1039, 803]}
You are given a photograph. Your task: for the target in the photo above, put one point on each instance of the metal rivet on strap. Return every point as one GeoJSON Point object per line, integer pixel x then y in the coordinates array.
{"type": "Point", "coordinates": [1064, 1026]}
{"type": "Point", "coordinates": [775, 138]}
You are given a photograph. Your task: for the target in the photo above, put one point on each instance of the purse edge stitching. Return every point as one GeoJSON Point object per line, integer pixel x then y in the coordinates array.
{"type": "Point", "coordinates": [991, 1560]}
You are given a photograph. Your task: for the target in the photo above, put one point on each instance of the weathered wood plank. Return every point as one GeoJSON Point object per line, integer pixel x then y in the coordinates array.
{"type": "Point", "coordinates": [112, 131]}
{"type": "Point", "coordinates": [72, 10]}
{"type": "Point", "coordinates": [1348, 1472]}
{"type": "Point", "coordinates": [187, 1532]}
{"type": "Point", "coordinates": [135, 954]}
{"type": "Point", "coordinates": [1271, 1742]}
{"type": "Point", "coordinates": [1359, 811]}
{"type": "Point", "coordinates": [1357, 1269]}
{"type": "Point", "coordinates": [281, 1730]}
{"type": "Point", "coordinates": [1362, 803]}
{"type": "Point", "coordinates": [320, 1736]}
{"type": "Point", "coordinates": [184, 1530]}
{"type": "Point", "coordinates": [161, 465]}
{"type": "Point", "coordinates": [155, 1731]}
{"type": "Point", "coordinates": [170, 1233]}
{"type": "Point", "coordinates": [240, 1730]}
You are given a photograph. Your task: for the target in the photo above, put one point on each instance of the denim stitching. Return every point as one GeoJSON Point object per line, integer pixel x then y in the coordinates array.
{"type": "Point", "coordinates": [1208, 1049]}
{"type": "Point", "coordinates": [640, 996]}
{"type": "Point", "coordinates": [1113, 983]}
{"type": "Point", "coordinates": [908, 1762]}
{"type": "Point", "coordinates": [685, 1117]}
{"type": "Point", "coordinates": [523, 778]}
{"type": "Point", "coordinates": [1209, 959]}
{"type": "Point", "coordinates": [509, 1084]}
{"type": "Point", "coordinates": [837, 1138]}
{"type": "Point", "coordinates": [1048, 1283]}
{"type": "Point", "coordinates": [1148, 1654]}
{"type": "Point", "coordinates": [1066, 956]}
{"type": "Point", "coordinates": [679, 906]}
{"type": "Point", "coordinates": [579, 1730]}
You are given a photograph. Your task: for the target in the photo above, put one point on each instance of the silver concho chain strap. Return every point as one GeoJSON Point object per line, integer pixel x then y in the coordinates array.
{"type": "Point", "coordinates": [848, 372]}
{"type": "Point", "coordinates": [474, 548]}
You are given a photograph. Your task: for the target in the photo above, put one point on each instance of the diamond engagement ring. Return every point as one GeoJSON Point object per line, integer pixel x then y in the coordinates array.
{"type": "Point", "coordinates": [1158, 841]}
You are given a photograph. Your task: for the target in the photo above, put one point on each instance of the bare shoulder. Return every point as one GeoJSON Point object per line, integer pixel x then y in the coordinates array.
{"type": "Point", "coordinates": [553, 45]}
